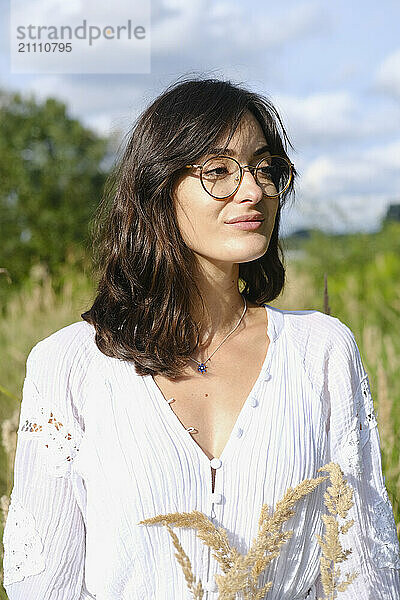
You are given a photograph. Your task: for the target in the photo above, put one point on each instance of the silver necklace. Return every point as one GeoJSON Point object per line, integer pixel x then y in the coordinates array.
{"type": "Point", "coordinates": [202, 365]}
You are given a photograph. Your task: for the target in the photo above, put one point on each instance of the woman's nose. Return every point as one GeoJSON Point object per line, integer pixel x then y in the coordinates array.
{"type": "Point", "coordinates": [248, 178]}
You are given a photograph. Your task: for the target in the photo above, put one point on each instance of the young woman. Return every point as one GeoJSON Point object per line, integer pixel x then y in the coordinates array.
{"type": "Point", "coordinates": [183, 389]}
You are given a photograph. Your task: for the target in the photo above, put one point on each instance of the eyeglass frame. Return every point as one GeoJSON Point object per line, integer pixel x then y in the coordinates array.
{"type": "Point", "coordinates": [242, 169]}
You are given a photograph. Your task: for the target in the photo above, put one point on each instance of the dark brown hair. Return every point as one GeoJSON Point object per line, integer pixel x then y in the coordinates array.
{"type": "Point", "coordinates": [146, 272]}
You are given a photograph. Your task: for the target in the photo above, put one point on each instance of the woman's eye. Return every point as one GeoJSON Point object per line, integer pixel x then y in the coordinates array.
{"type": "Point", "coordinates": [272, 170]}
{"type": "Point", "coordinates": [265, 171]}
{"type": "Point", "coordinates": [217, 171]}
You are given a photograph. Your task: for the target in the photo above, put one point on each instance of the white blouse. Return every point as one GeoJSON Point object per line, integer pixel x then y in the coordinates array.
{"type": "Point", "coordinates": [100, 448]}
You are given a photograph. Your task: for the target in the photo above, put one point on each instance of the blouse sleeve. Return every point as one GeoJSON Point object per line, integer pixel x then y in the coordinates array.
{"type": "Point", "coordinates": [355, 445]}
{"type": "Point", "coordinates": [44, 534]}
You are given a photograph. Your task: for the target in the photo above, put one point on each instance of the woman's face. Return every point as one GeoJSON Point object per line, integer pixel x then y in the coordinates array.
{"type": "Point", "coordinates": [202, 218]}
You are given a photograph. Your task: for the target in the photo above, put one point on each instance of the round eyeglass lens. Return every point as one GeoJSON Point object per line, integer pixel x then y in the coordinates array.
{"type": "Point", "coordinates": [221, 176]}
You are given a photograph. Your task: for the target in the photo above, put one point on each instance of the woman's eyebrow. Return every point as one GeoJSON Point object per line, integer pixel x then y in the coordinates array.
{"type": "Point", "coordinates": [230, 152]}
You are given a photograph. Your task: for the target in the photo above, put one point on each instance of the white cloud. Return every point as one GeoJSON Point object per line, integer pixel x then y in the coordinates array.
{"type": "Point", "coordinates": [386, 157]}
{"type": "Point", "coordinates": [334, 117]}
{"type": "Point", "coordinates": [317, 173]}
{"type": "Point", "coordinates": [264, 26]}
{"type": "Point", "coordinates": [367, 171]}
{"type": "Point", "coordinates": [329, 114]}
{"type": "Point", "coordinates": [350, 191]}
{"type": "Point", "coordinates": [174, 30]}
{"type": "Point", "coordinates": [388, 75]}
{"type": "Point", "coordinates": [55, 10]}
{"type": "Point", "coordinates": [106, 108]}
{"type": "Point", "coordinates": [230, 28]}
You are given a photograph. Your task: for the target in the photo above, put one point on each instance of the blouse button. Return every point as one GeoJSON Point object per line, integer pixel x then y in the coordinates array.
{"type": "Point", "coordinates": [211, 586]}
{"type": "Point", "coordinates": [254, 402]}
{"type": "Point", "coordinates": [267, 376]}
{"type": "Point", "coordinates": [215, 463]}
{"type": "Point", "coordinates": [217, 498]}
{"type": "Point", "coordinates": [239, 432]}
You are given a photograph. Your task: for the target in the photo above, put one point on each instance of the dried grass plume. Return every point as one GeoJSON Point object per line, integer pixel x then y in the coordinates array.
{"type": "Point", "coordinates": [242, 571]}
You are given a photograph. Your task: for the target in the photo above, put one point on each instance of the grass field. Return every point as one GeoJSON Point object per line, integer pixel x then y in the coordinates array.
{"type": "Point", "coordinates": [364, 292]}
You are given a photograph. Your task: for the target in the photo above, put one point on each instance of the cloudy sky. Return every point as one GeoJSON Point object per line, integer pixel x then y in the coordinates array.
{"type": "Point", "coordinates": [332, 69]}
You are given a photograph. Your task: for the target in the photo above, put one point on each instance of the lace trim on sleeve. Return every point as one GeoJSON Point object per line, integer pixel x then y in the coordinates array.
{"type": "Point", "coordinates": [386, 550]}
{"type": "Point", "coordinates": [58, 445]}
{"type": "Point", "coordinates": [363, 421]}
{"type": "Point", "coordinates": [22, 545]}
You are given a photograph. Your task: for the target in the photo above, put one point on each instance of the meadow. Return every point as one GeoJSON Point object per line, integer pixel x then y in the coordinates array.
{"type": "Point", "coordinates": [362, 273]}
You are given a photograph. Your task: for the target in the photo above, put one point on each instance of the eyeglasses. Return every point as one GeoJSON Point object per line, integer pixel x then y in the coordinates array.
{"type": "Point", "coordinates": [221, 176]}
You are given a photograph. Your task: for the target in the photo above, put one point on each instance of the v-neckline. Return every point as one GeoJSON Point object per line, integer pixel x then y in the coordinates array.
{"type": "Point", "coordinates": [179, 427]}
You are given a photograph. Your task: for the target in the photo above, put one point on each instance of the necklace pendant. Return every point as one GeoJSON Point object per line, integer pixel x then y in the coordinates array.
{"type": "Point", "coordinates": [202, 368]}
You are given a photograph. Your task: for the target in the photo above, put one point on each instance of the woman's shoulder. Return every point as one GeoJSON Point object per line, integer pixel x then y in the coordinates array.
{"type": "Point", "coordinates": [314, 325]}
{"type": "Point", "coordinates": [63, 356]}
{"type": "Point", "coordinates": [324, 343]}
{"type": "Point", "coordinates": [76, 338]}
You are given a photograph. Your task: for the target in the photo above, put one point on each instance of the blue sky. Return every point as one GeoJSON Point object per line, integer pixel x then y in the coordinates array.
{"type": "Point", "coordinates": [331, 69]}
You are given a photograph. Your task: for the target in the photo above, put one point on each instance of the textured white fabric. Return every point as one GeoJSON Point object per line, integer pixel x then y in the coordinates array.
{"type": "Point", "coordinates": [99, 449]}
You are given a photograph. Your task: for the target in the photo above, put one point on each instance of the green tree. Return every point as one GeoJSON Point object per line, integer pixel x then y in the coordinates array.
{"type": "Point", "coordinates": [51, 178]}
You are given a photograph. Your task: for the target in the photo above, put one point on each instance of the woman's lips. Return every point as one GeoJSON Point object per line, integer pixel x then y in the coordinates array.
{"type": "Point", "coordinates": [246, 224]}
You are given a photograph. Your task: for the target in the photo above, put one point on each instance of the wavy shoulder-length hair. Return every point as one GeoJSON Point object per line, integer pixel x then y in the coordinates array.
{"type": "Point", "coordinates": [146, 273]}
